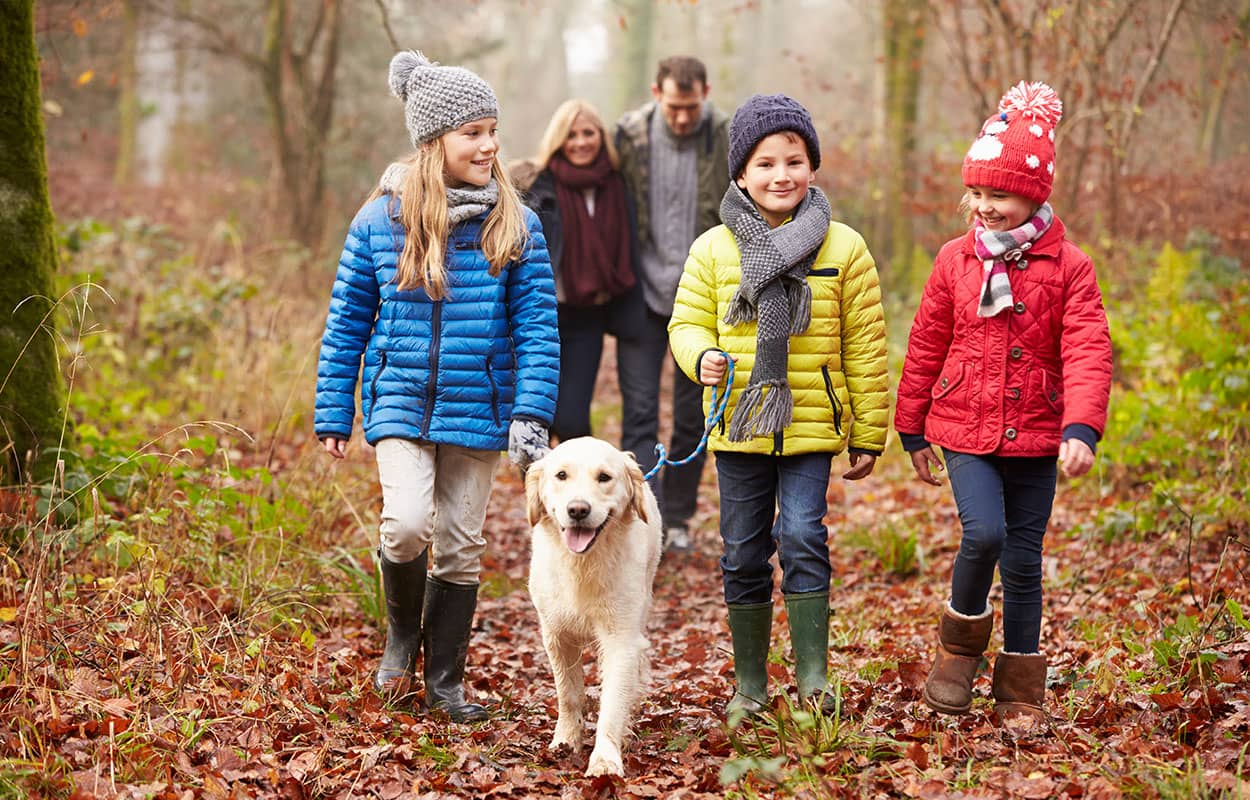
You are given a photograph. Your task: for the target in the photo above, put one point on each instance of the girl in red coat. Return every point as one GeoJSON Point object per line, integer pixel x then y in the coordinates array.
{"type": "Point", "coordinates": [1008, 370]}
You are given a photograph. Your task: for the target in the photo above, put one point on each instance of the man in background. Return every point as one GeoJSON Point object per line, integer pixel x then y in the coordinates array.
{"type": "Point", "coordinates": [674, 152]}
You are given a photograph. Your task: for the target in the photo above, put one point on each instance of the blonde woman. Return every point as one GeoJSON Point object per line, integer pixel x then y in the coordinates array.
{"type": "Point", "coordinates": [445, 289]}
{"type": "Point", "coordinates": [588, 222]}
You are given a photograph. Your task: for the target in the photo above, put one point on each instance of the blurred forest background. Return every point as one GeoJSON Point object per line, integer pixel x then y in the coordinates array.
{"type": "Point", "coordinates": [188, 602]}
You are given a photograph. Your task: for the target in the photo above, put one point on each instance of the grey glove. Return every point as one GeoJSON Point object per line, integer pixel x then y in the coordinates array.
{"type": "Point", "coordinates": [528, 441]}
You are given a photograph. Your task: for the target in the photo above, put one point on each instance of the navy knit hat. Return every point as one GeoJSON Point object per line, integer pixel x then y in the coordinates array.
{"type": "Point", "coordinates": [438, 99]}
{"type": "Point", "coordinates": [763, 115]}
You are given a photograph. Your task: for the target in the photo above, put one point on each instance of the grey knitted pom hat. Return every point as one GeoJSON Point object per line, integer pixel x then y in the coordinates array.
{"type": "Point", "coordinates": [763, 115]}
{"type": "Point", "coordinates": [438, 99]}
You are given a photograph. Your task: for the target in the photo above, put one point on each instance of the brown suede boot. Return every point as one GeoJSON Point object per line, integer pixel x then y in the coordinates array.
{"type": "Point", "coordinates": [1020, 691]}
{"type": "Point", "coordinates": [961, 642]}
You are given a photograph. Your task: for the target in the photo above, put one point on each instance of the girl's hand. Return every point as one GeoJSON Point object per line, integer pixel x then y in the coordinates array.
{"type": "Point", "coordinates": [924, 461]}
{"type": "Point", "coordinates": [335, 446]}
{"type": "Point", "coordinates": [1076, 457]}
{"type": "Point", "coordinates": [861, 466]}
{"type": "Point", "coordinates": [712, 367]}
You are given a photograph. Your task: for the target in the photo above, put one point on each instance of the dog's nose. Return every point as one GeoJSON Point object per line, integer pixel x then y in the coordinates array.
{"type": "Point", "coordinates": [579, 510]}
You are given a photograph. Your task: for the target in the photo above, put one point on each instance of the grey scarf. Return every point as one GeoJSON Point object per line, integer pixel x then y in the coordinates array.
{"type": "Point", "coordinates": [461, 203]}
{"type": "Point", "coordinates": [774, 292]}
{"type": "Point", "coordinates": [471, 201]}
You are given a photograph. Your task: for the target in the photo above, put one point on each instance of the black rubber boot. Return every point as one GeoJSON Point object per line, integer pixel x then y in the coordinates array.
{"type": "Point", "coordinates": [404, 586]}
{"type": "Point", "coordinates": [449, 609]}
{"type": "Point", "coordinates": [809, 638]}
{"type": "Point", "coordinates": [751, 629]}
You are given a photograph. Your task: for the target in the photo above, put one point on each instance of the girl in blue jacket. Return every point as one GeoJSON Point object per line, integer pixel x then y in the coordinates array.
{"type": "Point", "coordinates": [445, 288]}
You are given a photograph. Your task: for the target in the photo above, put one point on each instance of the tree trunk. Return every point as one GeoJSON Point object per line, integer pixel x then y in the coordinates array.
{"type": "Point", "coordinates": [31, 393]}
{"type": "Point", "coordinates": [301, 110]}
{"type": "Point", "coordinates": [903, 27]}
{"type": "Point", "coordinates": [128, 97]}
{"type": "Point", "coordinates": [634, 64]}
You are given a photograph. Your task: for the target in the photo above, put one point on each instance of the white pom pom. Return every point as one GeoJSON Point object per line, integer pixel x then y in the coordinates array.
{"type": "Point", "coordinates": [1032, 161]}
{"type": "Point", "coordinates": [403, 65]}
{"type": "Point", "coordinates": [1036, 100]}
{"type": "Point", "coordinates": [986, 148]}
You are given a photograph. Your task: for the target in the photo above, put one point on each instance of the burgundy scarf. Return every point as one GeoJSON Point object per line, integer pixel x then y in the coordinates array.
{"type": "Point", "coordinates": [597, 263]}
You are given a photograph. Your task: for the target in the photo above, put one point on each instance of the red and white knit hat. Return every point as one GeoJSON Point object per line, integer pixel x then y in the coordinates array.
{"type": "Point", "coordinates": [1015, 151]}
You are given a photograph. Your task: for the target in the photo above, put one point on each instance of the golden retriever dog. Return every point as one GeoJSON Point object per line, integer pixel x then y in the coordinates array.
{"type": "Point", "coordinates": [596, 545]}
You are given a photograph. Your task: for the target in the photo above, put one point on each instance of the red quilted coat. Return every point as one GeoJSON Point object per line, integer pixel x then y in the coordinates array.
{"type": "Point", "coordinates": [1008, 384]}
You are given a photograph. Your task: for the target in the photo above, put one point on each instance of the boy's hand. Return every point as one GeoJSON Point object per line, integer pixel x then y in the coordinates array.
{"type": "Point", "coordinates": [712, 367]}
{"type": "Point", "coordinates": [334, 446]}
{"type": "Point", "coordinates": [1076, 457]}
{"type": "Point", "coordinates": [924, 462]}
{"type": "Point", "coordinates": [861, 466]}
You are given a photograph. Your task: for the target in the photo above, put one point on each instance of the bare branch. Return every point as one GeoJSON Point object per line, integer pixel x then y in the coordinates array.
{"type": "Point", "coordinates": [386, 25]}
{"type": "Point", "coordinates": [1152, 66]}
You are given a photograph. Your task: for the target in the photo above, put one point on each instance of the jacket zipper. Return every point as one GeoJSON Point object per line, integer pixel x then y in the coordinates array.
{"type": "Point", "coordinates": [436, 325]}
{"type": "Point", "coordinates": [494, 392]}
{"type": "Point", "coordinates": [373, 387]}
{"type": "Point", "coordinates": [833, 399]}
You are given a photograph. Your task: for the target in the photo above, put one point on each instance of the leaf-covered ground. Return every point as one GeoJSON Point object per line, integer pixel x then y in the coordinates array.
{"type": "Point", "coordinates": [135, 683]}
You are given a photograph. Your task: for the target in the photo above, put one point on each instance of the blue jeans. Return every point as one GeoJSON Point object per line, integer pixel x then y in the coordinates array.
{"type": "Point", "coordinates": [755, 489]}
{"type": "Point", "coordinates": [640, 357]}
{"type": "Point", "coordinates": [1004, 506]}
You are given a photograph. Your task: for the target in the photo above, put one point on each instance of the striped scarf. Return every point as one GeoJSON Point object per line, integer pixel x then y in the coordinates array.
{"type": "Point", "coordinates": [996, 248]}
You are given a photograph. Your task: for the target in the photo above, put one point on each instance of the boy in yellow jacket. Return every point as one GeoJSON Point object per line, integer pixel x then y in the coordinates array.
{"type": "Point", "coordinates": [793, 298]}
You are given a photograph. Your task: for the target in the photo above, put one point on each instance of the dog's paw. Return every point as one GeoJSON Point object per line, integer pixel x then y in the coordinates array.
{"type": "Point", "coordinates": [565, 742]}
{"type": "Point", "coordinates": [605, 761]}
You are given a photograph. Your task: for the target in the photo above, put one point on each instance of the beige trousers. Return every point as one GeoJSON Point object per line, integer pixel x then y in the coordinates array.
{"type": "Point", "coordinates": [435, 494]}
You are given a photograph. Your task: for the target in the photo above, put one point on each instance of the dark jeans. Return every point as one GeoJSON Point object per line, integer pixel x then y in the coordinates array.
{"type": "Point", "coordinates": [582, 329]}
{"type": "Point", "coordinates": [1004, 506]}
{"type": "Point", "coordinates": [640, 359]}
{"type": "Point", "coordinates": [755, 489]}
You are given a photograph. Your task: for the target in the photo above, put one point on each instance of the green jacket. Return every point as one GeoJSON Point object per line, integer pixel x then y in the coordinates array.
{"type": "Point", "coordinates": [836, 368]}
{"type": "Point", "coordinates": [633, 143]}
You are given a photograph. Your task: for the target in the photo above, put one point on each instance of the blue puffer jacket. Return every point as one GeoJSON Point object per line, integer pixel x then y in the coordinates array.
{"type": "Point", "coordinates": [454, 371]}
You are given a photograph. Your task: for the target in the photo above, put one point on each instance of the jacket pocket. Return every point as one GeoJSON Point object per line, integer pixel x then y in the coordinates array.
{"type": "Point", "coordinates": [833, 398]}
{"type": "Point", "coordinates": [1050, 387]}
{"type": "Point", "coordinates": [494, 392]}
{"type": "Point", "coordinates": [950, 392]}
{"type": "Point", "coordinates": [373, 388]}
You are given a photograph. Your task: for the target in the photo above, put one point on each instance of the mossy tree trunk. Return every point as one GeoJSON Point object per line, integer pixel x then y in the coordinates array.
{"type": "Point", "coordinates": [31, 391]}
{"type": "Point", "coordinates": [903, 29]}
{"type": "Point", "coordinates": [128, 96]}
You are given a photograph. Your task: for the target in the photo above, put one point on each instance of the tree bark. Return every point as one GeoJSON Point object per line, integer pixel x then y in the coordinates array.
{"type": "Point", "coordinates": [31, 392]}
{"type": "Point", "coordinates": [128, 96]}
{"type": "Point", "coordinates": [903, 28]}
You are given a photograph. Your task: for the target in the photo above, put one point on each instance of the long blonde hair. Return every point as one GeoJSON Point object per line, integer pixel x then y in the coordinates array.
{"type": "Point", "coordinates": [557, 132]}
{"type": "Point", "coordinates": [423, 213]}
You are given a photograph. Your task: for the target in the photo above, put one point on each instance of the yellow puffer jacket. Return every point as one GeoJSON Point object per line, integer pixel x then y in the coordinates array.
{"type": "Point", "coordinates": [837, 367]}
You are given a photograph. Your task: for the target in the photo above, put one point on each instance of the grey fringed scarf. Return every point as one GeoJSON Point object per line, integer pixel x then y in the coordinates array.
{"type": "Point", "coordinates": [461, 203]}
{"type": "Point", "coordinates": [773, 291]}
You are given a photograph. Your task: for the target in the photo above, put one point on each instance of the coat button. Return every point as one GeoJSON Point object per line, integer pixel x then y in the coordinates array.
{"type": "Point", "coordinates": [1014, 392]}
{"type": "Point", "coordinates": [945, 383]}
{"type": "Point", "coordinates": [1019, 307]}
{"type": "Point", "coordinates": [1016, 352]}
{"type": "Point", "coordinates": [1054, 395]}
{"type": "Point", "coordinates": [1010, 433]}
{"type": "Point", "coordinates": [1022, 264]}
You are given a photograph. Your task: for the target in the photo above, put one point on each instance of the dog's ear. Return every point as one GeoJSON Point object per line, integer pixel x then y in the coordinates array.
{"type": "Point", "coordinates": [637, 488]}
{"type": "Point", "coordinates": [535, 510]}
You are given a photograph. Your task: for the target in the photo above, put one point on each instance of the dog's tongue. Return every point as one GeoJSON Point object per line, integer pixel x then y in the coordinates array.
{"type": "Point", "coordinates": [578, 539]}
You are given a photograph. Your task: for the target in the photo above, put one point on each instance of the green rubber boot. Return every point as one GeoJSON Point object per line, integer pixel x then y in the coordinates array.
{"type": "Point", "coordinates": [751, 627]}
{"type": "Point", "coordinates": [809, 638]}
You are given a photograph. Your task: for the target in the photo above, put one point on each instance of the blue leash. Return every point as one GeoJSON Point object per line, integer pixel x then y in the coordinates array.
{"type": "Point", "coordinates": [714, 417]}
